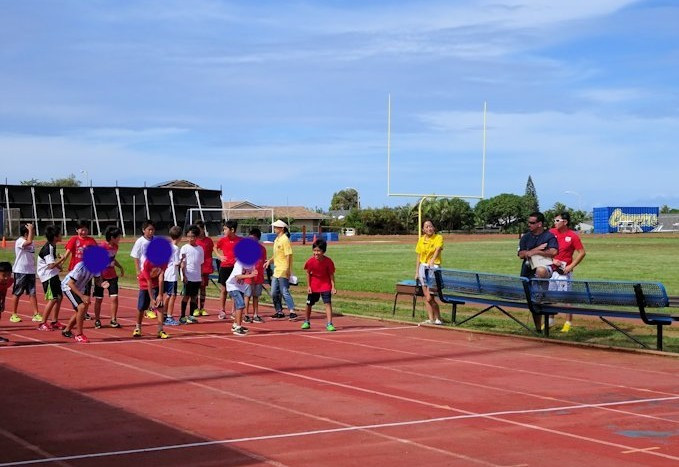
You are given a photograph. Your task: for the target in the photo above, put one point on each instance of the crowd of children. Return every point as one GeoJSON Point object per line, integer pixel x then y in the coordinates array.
{"type": "Point", "coordinates": [191, 264]}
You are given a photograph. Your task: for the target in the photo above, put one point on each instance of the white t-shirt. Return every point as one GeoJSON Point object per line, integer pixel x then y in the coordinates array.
{"type": "Point", "coordinates": [172, 265]}
{"type": "Point", "coordinates": [46, 256]}
{"type": "Point", "coordinates": [194, 260]}
{"type": "Point", "coordinates": [139, 250]}
{"type": "Point", "coordinates": [81, 275]}
{"type": "Point", "coordinates": [235, 284]}
{"type": "Point", "coordinates": [25, 257]}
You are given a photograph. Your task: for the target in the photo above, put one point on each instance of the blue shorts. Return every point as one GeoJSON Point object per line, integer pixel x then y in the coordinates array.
{"type": "Point", "coordinates": [170, 288]}
{"type": "Point", "coordinates": [144, 301]}
{"type": "Point", "coordinates": [312, 298]}
{"type": "Point", "coordinates": [238, 301]}
{"type": "Point", "coordinates": [254, 290]}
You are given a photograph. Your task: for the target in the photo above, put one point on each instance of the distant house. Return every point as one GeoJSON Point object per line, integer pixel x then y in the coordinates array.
{"type": "Point", "coordinates": [295, 216]}
{"type": "Point", "coordinates": [178, 184]}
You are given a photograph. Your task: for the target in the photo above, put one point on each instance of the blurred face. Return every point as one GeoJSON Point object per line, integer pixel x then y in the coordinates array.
{"type": "Point", "coordinates": [278, 230]}
{"type": "Point", "coordinates": [318, 253]}
{"type": "Point", "coordinates": [229, 232]}
{"type": "Point", "coordinates": [559, 223]}
{"type": "Point", "coordinates": [83, 232]}
{"type": "Point", "coordinates": [4, 277]}
{"type": "Point", "coordinates": [191, 237]}
{"type": "Point", "coordinates": [534, 225]}
{"type": "Point", "coordinates": [116, 240]}
{"type": "Point", "coordinates": [148, 232]}
{"type": "Point", "coordinates": [428, 228]}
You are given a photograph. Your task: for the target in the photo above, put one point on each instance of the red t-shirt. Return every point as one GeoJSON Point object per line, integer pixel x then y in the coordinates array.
{"type": "Point", "coordinates": [207, 245]}
{"type": "Point", "coordinates": [320, 273]}
{"type": "Point", "coordinates": [3, 292]}
{"type": "Point", "coordinates": [150, 273]}
{"type": "Point", "coordinates": [76, 245]}
{"type": "Point", "coordinates": [259, 268]}
{"type": "Point", "coordinates": [226, 246]}
{"type": "Point", "coordinates": [569, 242]}
{"type": "Point", "coordinates": [110, 271]}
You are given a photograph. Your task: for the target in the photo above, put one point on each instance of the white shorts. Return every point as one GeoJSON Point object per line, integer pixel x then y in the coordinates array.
{"type": "Point", "coordinates": [429, 274]}
{"type": "Point", "coordinates": [560, 282]}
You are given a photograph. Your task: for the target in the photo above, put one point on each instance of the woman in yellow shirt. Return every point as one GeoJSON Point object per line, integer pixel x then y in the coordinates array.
{"type": "Point", "coordinates": [428, 250]}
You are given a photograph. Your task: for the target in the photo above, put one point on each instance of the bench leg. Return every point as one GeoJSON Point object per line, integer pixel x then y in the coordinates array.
{"type": "Point", "coordinates": [393, 312]}
{"type": "Point", "coordinates": [622, 331]}
{"type": "Point", "coordinates": [659, 337]}
{"type": "Point", "coordinates": [414, 304]}
{"type": "Point", "coordinates": [453, 314]}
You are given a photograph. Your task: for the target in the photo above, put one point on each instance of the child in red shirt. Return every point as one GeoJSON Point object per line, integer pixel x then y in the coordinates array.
{"type": "Point", "coordinates": [320, 273]}
{"type": "Point", "coordinates": [256, 284]}
{"type": "Point", "coordinates": [150, 290]}
{"type": "Point", "coordinates": [74, 249]}
{"type": "Point", "coordinates": [6, 282]}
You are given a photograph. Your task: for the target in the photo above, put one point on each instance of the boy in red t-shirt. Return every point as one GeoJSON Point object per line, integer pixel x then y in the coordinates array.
{"type": "Point", "coordinates": [226, 245]}
{"type": "Point", "coordinates": [6, 282]}
{"type": "Point", "coordinates": [208, 246]}
{"type": "Point", "coordinates": [256, 284]}
{"type": "Point", "coordinates": [150, 291]}
{"type": "Point", "coordinates": [113, 235]}
{"type": "Point", "coordinates": [320, 274]}
{"type": "Point", "coordinates": [74, 250]}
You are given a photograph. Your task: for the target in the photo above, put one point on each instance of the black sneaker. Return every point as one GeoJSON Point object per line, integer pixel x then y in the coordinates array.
{"type": "Point", "coordinates": [292, 316]}
{"type": "Point", "coordinates": [114, 324]}
{"type": "Point", "coordinates": [247, 319]}
{"type": "Point", "coordinates": [278, 315]}
{"type": "Point", "coordinates": [239, 331]}
{"type": "Point", "coordinates": [87, 316]}
{"type": "Point", "coordinates": [97, 324]}
{"type": "Point", "coordinates": [3, 339]}
{"type": "Point", "coordinates": [257, 319]}
{"type": "Point", "coordinates": [66, 333]}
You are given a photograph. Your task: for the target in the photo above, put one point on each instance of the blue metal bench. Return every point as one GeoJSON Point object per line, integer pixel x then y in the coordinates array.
{"type": "Point", "coordinates": [411, 289]}
{"type": "Point", "coordinates": [604, 299]}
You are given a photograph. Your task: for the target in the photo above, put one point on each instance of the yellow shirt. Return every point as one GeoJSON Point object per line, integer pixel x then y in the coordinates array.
{"type": "Point", "coordinates": [281, 250]}
{"type": "Point", "coordinates": [427, 246]}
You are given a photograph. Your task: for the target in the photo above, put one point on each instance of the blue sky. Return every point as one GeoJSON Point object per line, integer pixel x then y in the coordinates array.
{"type": "Point", "coordinates": [286, 102]}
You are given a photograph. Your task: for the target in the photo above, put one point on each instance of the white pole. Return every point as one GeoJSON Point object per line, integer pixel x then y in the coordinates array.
{"type": "Point", "coordinates": [94, 207]}
{"type": "Point", "coordinates": [389, 145]}
{"type": "Point", "coordinates": [200, 209]}
{"type": "Point", "coordinates": [483, 159]}
{"type": "Point", "coordinates": [63, 211]}
{"type": "Point", "coordinates": [174, 215]}
{"type": "Point", "coordinates": [146, 202]}
{"type": "Point", "coordinates": [120, 211]}
{"type": "Point", "coordinates": [9, 214]}
{"type": "Point", "coordinates": [35, 211]}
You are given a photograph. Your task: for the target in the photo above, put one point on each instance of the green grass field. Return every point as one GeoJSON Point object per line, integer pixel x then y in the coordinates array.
{"type": "Point", "coordinates": [368, 268]}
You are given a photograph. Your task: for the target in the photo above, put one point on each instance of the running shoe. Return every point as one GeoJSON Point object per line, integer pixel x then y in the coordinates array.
{"type": "Point", "coordinates": [196, 312]}
{"type": "Point", "coordinates": [203, 312]}
{"type": "Point", "coordinates": [278, 315]}
{"type": "Point", "coordinates": [222, 315]}
{"type": "Point", "coordinates": [234, 326]}
{"type": "Point", "coordinates": [438, 322]}
{"type": "Point", "coordinates": [150, 314]}
{"type": "Point", "coordinates": [97, 323]}
{"type": "Point", "coordinates": [3, 339]}
{"type": "Point", "coordinates": [257, 319]}
{"type": "Point", "coordinates": [170, 321]}
{"type": "Point", "coordinates": [136, 332]}
{"type": "Point", "coordinates": [330, 327]}
{"type": "Point", "coordinates": [15, 319]}
{"type": "Point", "coordinates": [87, 316]}
{"type": "Point", "coordinates": [306, 325]}
{"type": "Point", "coordinates": [37, 318]}
{"type": "Point", "coordinates": [427, 321]}
{"type": "Point", "coordinates": [191, 319]}
{"type": "Point", "coordinates": [81, 339]}
{"type": "Point", "coordinates": [66, 333]}
{"type": "Point", "coordinates": [566, 326]}
{"type": "Point", "coordinates": [292, 316]}
{"type": "Point", "coordinates": [114, 324]}
{"type": "Point", "coordinates": [45, 327]}
{"type": "Point", "coordinates": [239, 331]}
{"type": "Point", "coordinates": [58, 325]}
{"type": "Point", "coordinates": [163, 335]}
{"type": "Point", "coordinates": [183, 320]}
{"type": "Point", "coordinates": [247, 319]}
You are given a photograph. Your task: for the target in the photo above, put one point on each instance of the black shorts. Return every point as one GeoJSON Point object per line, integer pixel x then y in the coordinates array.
{"type": "Point", "coordinates": [170, 288]}
{"type": "Point", "coordinates": [312, 298]}
{"type": "Point", "coordinates": [52, 288]}
{"type": "Point", "coordinates": [191, 288]}
{"type": "Point", "coordinates": [224, 273]}
{"type": "Point", "coordinates": [112, 289]}
{"type": "Point", "coordinates": [23, 283]}
{"type": "Point", "coordinates": [73, 298]}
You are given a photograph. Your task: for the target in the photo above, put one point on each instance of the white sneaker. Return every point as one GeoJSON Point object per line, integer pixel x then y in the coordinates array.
{"type": "Point", "coordinates": [222, 315]}
{"type": "Point", "coordinates": [438, 322]}
{"type": "Point", "coordinates": [426, 321]}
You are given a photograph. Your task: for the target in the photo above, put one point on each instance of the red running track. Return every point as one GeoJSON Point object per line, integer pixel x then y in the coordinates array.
{"type": "Point", "coordinates": [372, 393]}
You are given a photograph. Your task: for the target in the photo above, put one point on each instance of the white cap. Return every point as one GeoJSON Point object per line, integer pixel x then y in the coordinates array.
{"type": "Point", "coordinates": [279, 223]}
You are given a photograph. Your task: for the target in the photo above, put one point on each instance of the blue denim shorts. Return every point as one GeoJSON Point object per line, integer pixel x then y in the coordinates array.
{"type": "Point", "coordinates": [238, 301]}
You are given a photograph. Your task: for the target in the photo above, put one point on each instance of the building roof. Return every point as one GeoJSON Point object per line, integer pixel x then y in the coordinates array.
{"type": "Point", "coordinates": [177, 184]}
{"type": "Point", "coordinates": [248, 210]}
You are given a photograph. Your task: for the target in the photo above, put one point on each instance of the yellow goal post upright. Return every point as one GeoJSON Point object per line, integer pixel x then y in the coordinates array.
{"type": "Point", "coordinates": [424, 196]}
